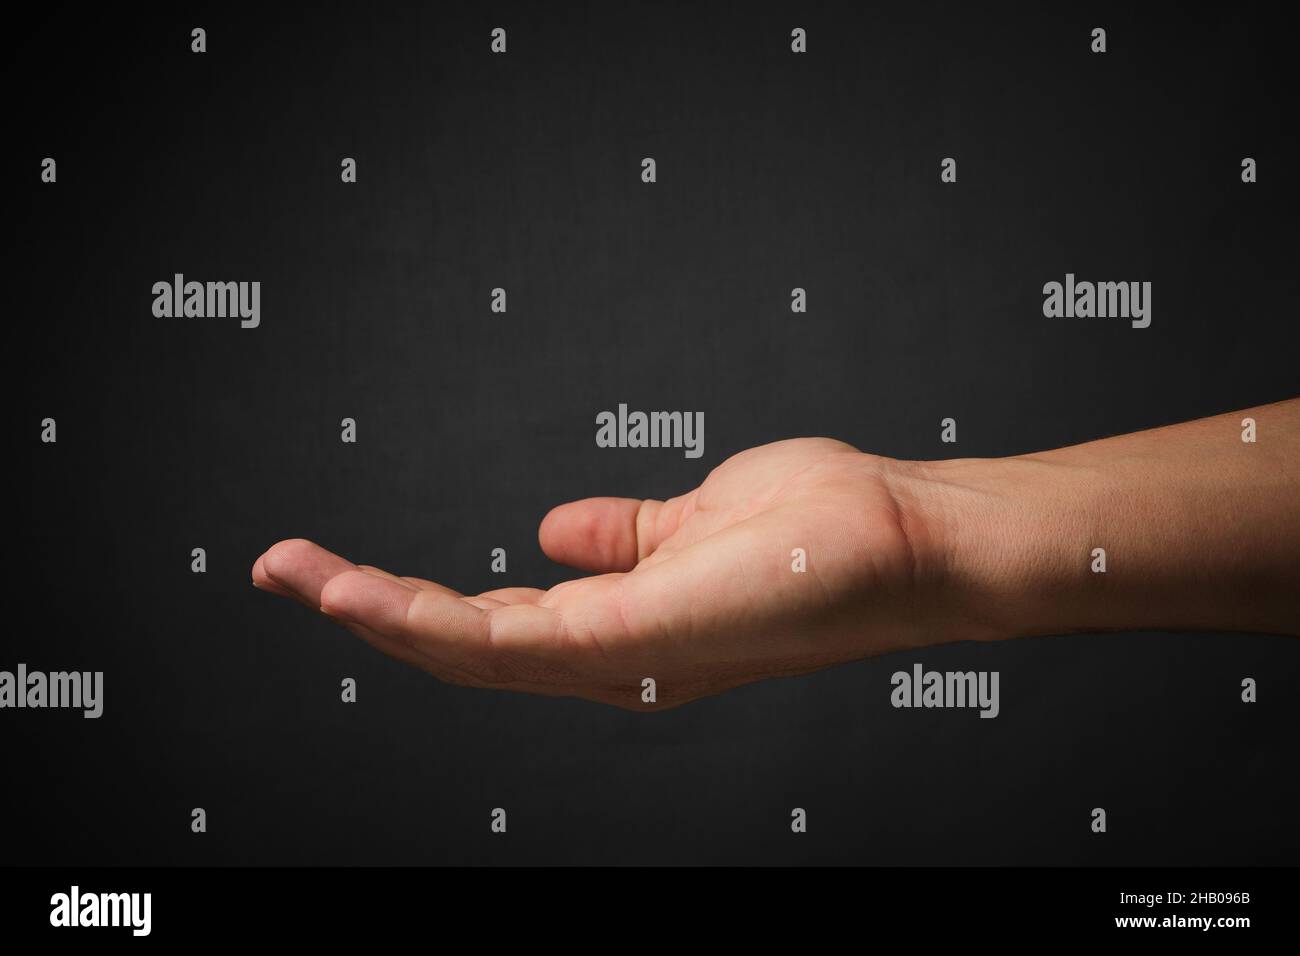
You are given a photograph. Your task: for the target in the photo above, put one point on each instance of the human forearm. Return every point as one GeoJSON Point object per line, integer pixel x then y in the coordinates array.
{"type": "Point", "coordinates": [1200, 530]}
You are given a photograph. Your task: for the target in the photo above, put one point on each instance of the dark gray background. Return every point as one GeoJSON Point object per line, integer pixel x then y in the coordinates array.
{"type": "Point", "coordinates": [522, 171]}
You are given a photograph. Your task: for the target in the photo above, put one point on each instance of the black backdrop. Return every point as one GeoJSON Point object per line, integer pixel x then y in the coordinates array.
{"type": "Point", "coordinates": [522, 171]}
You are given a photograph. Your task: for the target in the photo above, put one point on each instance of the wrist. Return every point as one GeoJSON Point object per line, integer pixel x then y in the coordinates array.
{"type": "Point", "coordinates": [1004, 544]}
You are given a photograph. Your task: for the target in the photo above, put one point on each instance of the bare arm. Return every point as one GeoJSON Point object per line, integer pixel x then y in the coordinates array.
{"type": "Point", "coordinates": [806, 553]}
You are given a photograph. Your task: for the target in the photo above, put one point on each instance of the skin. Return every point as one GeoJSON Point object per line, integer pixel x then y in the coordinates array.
{"type": "Point", "coordinates": [1201, 531]}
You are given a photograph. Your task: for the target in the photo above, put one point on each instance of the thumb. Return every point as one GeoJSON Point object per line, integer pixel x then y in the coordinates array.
{"type": "Point", "coordinates": [610, 534]}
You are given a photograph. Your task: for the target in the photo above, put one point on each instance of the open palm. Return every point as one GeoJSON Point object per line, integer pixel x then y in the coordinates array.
{"type": "Point", "coordinates": [789, 557]}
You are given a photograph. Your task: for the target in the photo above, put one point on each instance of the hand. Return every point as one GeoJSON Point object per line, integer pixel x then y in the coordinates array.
{"type": "Point", "coordinates": [698, 593]}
